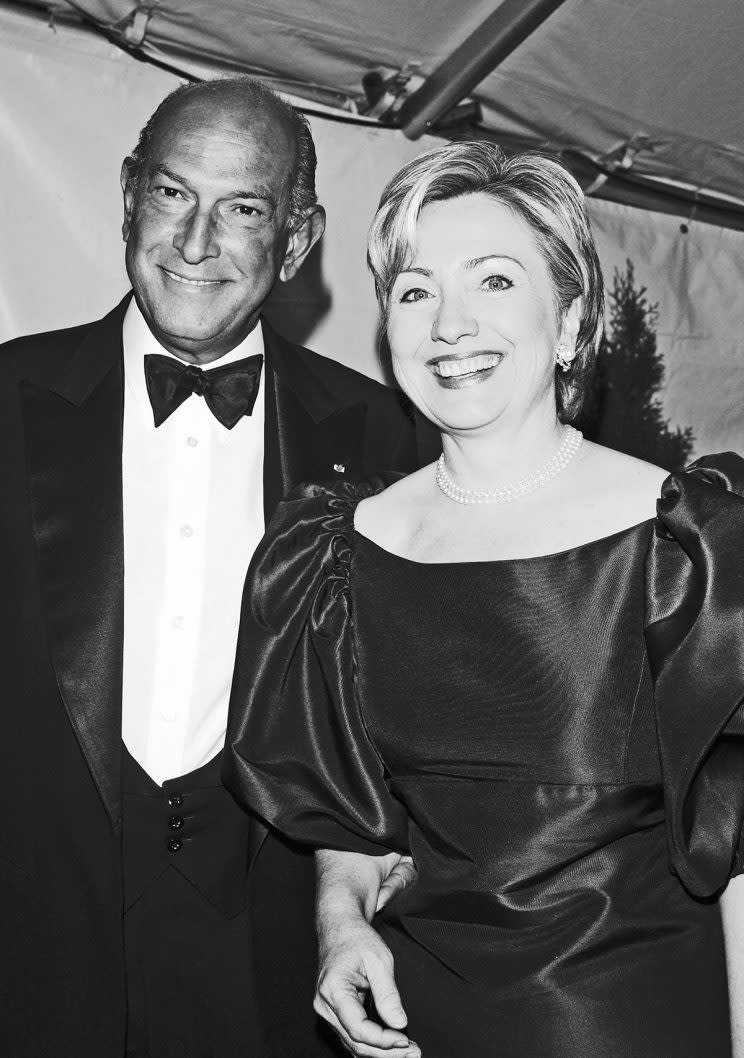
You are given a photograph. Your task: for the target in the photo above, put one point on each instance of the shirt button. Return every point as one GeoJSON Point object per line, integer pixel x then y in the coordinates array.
{"type": "Point", "coordinates": [175, 800]}
{"type": "Point", "coordinates": [186, 531]}
{"type": "Point", "coordinates": [175, 845]}
{"type": "Point", "coordinates": [192, 442]}
{"type": "Point", "coordinates": [177, 622]}
{"type": "Point", "coordinates": [175, 822]}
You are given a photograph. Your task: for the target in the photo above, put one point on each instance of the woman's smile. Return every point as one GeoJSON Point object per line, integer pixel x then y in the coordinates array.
{"type": "Point", "coordinates": [455, 372]}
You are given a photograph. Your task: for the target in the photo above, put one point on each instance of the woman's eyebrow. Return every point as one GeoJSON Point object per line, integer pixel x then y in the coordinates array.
{"type": "Point", "coordinates": [474, 262]}
{"type": "Point", "coordinates": [418, 271]}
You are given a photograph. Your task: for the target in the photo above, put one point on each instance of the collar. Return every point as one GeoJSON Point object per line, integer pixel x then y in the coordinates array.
{"type": "Point", "coordinates": [139, 341]}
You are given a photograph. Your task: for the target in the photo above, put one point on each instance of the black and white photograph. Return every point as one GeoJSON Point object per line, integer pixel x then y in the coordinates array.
{"type": "Point", "coordinates": [372, 529]}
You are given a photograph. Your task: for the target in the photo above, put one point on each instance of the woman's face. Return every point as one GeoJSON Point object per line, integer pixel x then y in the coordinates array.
{"type": "Point", "coordinates": [473, 322]}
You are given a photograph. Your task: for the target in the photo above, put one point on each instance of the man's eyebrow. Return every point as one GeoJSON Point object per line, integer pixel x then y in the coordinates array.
{"type": "Point", "coordinates": [474, 262]}
{"type": "Point", "coordinates": [261, 192]}
{"type": "Point", "coordinates": [257, 192]}
{"type": "Point", "coordinates": [165, 171]}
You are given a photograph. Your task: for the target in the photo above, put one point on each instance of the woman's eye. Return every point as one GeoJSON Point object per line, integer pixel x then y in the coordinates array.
{"type": "Point", "coordinates": [497, 283]}
{"type": "Point", "coordinates": [414, 294]}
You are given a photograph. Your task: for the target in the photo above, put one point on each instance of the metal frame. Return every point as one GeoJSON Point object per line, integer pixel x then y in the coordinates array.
{"type": "Point", "coordinates": [501, 33]}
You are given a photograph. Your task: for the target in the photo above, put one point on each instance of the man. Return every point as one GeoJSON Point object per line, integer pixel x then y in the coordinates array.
{"type": "Point", "coordinates": [143, 912]}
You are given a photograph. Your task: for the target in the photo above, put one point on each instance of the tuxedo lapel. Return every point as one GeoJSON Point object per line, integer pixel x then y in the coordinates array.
{"type": "Point", "coordinates": [311, 433]}
{"type": "Point", "coordinates": [73, 428]}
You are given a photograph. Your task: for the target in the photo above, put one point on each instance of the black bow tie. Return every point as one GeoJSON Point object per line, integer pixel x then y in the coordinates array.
{"type": "Point", "coordinates": [229, 391]}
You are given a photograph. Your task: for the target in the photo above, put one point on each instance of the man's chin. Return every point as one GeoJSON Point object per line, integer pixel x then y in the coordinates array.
{"type": "Point", "coordinates": [178, 334]}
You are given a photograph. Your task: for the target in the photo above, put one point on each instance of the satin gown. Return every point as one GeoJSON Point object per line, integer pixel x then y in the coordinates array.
{"type": "Point", "coordinates": [557, 741]}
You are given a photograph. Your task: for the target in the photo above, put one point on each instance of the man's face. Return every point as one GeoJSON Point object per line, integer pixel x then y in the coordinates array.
{"type": "Point", "coordinates": [206, 225]}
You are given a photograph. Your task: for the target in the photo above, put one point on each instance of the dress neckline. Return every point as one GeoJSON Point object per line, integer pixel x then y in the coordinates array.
{"type": "Point", "coordinates": [567, 552]}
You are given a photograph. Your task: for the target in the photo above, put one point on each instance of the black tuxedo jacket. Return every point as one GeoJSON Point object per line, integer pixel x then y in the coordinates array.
{"type": "Point", "coordinates": [62, 989]}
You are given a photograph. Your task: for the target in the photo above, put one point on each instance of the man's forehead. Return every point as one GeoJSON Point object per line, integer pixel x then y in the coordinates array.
{"type": "Point", "coordinates": [243, 117]}
{"type": "Point", "coordinates": [225, 143]}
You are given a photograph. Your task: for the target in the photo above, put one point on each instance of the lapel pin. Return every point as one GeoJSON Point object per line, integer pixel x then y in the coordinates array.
{"type": "Point", "coordinates": [339, 468]}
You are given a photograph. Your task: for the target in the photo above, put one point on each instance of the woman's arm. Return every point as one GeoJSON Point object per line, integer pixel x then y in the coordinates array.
{"type": "Point", "coordinates": [732, 913]}
{"type": "Point", "coordinates": [354, 961]}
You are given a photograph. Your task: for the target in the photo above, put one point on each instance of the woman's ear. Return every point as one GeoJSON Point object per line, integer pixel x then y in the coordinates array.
{"type": "Point", "coordinates": [571, 323]}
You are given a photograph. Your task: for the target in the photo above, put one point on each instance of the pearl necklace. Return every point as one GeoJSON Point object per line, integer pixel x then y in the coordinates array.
{"type": "Point", "coordinates": [570, 445]}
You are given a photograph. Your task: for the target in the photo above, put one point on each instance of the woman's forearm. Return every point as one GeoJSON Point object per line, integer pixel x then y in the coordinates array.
{"type": "Point", "coordinates": [732, 913]}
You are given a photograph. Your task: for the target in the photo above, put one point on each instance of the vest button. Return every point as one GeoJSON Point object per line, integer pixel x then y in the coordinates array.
{"type": "Point", "coordinates": [175, 800]}
{"type": "Point", "coordinates": [175, 822]}
{"type": "Point", "coordinates": [175, 845]}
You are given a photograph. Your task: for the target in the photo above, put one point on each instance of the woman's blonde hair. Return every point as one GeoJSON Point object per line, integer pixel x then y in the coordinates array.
{"type": "Point", "coordinates": [536, 188]}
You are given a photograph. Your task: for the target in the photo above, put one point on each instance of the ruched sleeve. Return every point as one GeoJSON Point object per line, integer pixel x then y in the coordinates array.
{"type": "Point", "coordinates": [695, 640]}
{"type": "Point", "coordinates": [298, 751]}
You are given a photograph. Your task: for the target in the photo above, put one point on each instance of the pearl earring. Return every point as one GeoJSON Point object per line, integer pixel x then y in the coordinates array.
{"type": "Point", "coordinates": [564, 356]}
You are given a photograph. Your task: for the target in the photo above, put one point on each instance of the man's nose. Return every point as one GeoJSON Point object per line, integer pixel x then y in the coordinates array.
{"type": "Point", "coordinates": [453, 321]}
{"type": "Point", "coordinates": [196, 239]}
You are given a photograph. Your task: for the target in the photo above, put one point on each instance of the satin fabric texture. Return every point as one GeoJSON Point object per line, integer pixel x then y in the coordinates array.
{"type": "Point", "coordinates": [557, 741]}
{"type": "Point", "coordinates": [229, 391]}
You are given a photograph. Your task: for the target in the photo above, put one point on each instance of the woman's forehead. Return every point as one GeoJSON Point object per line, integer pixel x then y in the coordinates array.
{"type": "Point", "coordinates": [468, 229]}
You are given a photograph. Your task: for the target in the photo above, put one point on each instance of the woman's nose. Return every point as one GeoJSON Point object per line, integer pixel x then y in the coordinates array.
{"type": "Point", "coordinates": [453, 321]}
{"type": "Point", "coordinates": [196, 240]}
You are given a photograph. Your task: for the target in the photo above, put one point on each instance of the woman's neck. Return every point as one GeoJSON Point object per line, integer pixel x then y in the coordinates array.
{"type": "Point", "coordinates": [503, 454]}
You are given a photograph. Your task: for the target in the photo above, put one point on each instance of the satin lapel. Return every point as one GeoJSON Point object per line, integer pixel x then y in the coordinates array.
{"type": "Point", "coordinates": [275, 474]}
{"type": "Point", "coordinates": [73, 450]}
{"type": "Point", "coordinates": [309, 435]}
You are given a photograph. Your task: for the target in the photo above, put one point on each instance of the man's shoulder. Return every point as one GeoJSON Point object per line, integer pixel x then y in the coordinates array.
{"type": "Point", "coordinates": [352, 384]}
{"type": "Point", "coordinates": [47, 354]}
{"type": "Point", "coordinates": [48, 350]}
{"type": "Point", "coordinates": [43, 344]}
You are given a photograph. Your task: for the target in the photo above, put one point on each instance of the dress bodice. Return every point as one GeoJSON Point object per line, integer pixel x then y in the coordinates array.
{"type": "Point", "coordinates": [526, 669]}
{"type": "Point", "coordinates": [559, 743]}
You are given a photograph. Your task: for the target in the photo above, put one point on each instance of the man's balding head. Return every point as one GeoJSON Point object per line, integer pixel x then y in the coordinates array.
{"type": "Point", "coordinates": [241, 94]}
{"type": "Point", "coordinates": [219, 204]}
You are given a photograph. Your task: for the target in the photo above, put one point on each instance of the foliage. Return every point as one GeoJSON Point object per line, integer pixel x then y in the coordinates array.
{"type": "Point", "coordinates": [625, 411]}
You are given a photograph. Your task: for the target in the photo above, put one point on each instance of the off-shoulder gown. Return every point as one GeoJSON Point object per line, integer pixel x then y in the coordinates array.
{"type": "Point", "coordinates": [558, 741]}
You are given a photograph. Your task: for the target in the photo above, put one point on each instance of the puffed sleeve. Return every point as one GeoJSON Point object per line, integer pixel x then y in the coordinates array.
{"type": "Point", "coordinates": [695, 640]}
{"type": "Point", "coordinates": [297, 747]}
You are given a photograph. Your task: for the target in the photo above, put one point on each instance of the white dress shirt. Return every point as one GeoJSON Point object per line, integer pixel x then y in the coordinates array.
{"type": "Point", "coordinates": [193, 515]}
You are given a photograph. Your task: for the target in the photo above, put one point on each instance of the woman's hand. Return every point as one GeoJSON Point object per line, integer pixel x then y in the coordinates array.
{"type": "Point", "coordinates": [355, 964]}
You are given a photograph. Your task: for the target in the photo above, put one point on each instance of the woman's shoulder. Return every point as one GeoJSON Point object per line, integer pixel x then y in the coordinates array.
{"type": "Point", "coordinates": [382, 514]}
{"type": "Point", "coordinates": [627, 473]}
{"type": "Point", "coordinates": [627, 487]}
{"type": "Point", "coordinates": [311, 500]}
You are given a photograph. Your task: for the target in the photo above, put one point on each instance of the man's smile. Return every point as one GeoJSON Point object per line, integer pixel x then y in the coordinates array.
{"type": "Point", "coordinates": [191, 282]}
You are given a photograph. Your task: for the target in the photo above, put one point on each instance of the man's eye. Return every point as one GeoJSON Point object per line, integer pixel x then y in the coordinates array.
{"type": "Point", "coordinates": [168, 192]}
{"type": "Point", "coordinates": [414, 294]}
{"type": "Point", "coordinates": [246, 211]}
{"type": "Point", "coordinates": [497, 283]}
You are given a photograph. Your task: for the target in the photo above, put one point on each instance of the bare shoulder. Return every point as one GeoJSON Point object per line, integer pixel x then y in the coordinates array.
{"type": "Point", "coordinates": [623, 483]}
{"type": "Point", "coordinates": [388, 516]}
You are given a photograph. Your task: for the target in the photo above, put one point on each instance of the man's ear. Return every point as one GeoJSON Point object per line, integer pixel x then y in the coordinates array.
{"type": "Point", "coordinates": [126, 179]}
{"type": "Point", "coordinates": [301, 241]}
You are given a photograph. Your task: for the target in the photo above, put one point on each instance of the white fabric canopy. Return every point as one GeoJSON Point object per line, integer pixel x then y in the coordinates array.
{"type": "Point", "coordinates": [666, 74]}
{"type": "Point", "coordinates": [71, 105]}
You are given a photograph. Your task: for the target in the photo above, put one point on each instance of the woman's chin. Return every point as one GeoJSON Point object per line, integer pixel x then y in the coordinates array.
{"type": "Point", "coordinates": [464, 415]}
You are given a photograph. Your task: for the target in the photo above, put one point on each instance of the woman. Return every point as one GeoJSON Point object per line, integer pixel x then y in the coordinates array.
{"type": "Point", "coordinates": [504, 665]}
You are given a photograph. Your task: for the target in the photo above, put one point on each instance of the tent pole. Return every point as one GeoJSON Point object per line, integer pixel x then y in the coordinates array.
{"type": "Point", "coordinates": [500, 34]}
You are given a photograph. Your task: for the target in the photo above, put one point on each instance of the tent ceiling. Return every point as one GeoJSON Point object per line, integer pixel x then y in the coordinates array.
{"type": "Point", "coordinates": [664, 76]}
